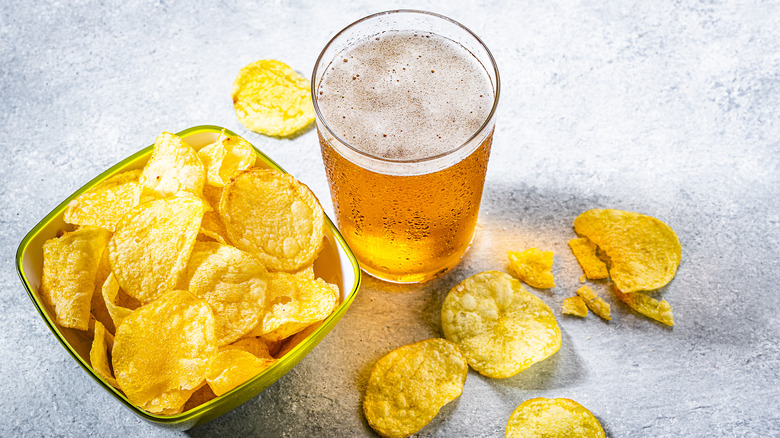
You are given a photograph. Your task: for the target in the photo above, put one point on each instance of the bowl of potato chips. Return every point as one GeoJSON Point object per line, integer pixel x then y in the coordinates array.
{"type": "Point", "coordinates": [189, 277]}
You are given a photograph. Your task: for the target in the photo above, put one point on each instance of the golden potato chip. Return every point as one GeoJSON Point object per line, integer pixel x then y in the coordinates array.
{"type": "Point", "coordinates": [162, 351]}
{"type": "Point", "coordinates": [500, 327]}
{"type": "Point", "coordinates": [110, 293]}
{"type": "Point", "coordinates": [643, 252]}
{"type": "Point", "coordinates": [213, 228]}
{"type": "Point", "coordinates": [232, 281]}
{"type": "Point", "coordinates": [272, 215]}
{"type": "Point", "coordinates": [173, 167]}
{"type": "Point", "coordinates": [70, 267]}
{"type": "Point", "coordinates": [307, 272]}
{"type": "Point", "coordinates": [256, 346]}
{"type": "Point", "coordinates": [594, 302]}
{"type": "Point", "coordinates": [660, 311]}
{"type": "Point", "coordinates": [103, 205]}
{"type": "Point", "coordinates": [552, 418]}
{"type": "Point", "coordinates": [292, 304]}
{"type": "Point", "coordinates": [98, 304]}
{"type": "Point", "coordinates": [409, 385]}
{"type": "Point", "coordinates": [212, 195]}
{"type": "Point", "coordinates": [575, 306]}
{"type": "Point", "coordinates": [152, 244]}
{"type": "Point", "coordinates": [585, 252]}
{"type": "Point", "coordinates": [98, 356]}
{"type": "Point", "coordinates": [231, 368]}
{"type": "Point", "coordinates": [271, 98]}
{"type": "Point", "coordinates": [533, 267]}
{"type": "Point", "coordinates": [225, 157]}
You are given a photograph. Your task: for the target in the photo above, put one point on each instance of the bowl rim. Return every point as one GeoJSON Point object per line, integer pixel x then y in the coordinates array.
{"type": "Point", "coordinates": [198, 411]}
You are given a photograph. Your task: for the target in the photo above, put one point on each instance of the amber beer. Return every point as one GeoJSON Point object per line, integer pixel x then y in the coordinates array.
{"type": "Point", "coordinates": [405, 122]}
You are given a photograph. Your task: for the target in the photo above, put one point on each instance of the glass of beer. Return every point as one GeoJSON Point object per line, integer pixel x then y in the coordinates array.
{"type": "Point", "coordinates": [405, 103]}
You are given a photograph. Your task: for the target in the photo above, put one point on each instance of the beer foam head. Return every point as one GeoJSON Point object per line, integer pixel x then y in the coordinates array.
{"type": "Point", "coordinates": [405, 96]}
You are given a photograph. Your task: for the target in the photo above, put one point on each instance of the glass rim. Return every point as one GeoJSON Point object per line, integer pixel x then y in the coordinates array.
{"type": "Point", "coordinates": [468, 141]}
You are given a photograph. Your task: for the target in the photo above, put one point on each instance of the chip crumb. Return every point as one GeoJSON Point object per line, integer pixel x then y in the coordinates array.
{"type": "Point", "coordinates": [575, 306]}
{"type": "Point", "coordinates": [533, 267]}
{"type": "Point", "coordinates": [585, 252]}
{"type": "Point", "coordinates": [594, 302]}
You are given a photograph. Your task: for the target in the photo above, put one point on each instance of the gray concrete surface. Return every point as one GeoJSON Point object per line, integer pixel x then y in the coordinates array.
{"type": "Point", "coordinates": [669, 108]}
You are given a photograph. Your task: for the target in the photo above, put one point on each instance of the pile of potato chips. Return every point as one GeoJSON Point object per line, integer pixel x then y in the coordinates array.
{"type": "Point", "coordinates": [192, 274]}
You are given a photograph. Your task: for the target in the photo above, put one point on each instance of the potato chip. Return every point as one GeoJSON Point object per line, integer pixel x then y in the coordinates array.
{"type": "Point", "coordinates": [643, 252]}
{"type": "Point", "coordinates": [660, 311]}
{"type": "Point", "coordinates": [256, 346]}
{"type": "Point", "coordinates": [292, 304]}
{"type": "Point", "coordinates": [70, 266]}
{"type": "Point", "coordinates": [272, 215]}
{"type": "Point", "coordinates": [533, 267]}
{"type": "Point", "coordinates": [103, 205]}
{"type": "Point", "coordinates": [225, 157]}
{"type": "Point", "coordinates": [202, 395]}
{"type": "Point", "coordinates": [594, 302]}
{"type": "Point", "coordinates": [500, 327]}
{"type": "Point", "coordinates": [98, 356]}
{"type": "Point", "coordinates": [213, 228]}
{"type": "Point", "coordinates": [109, 292]}
{"type": "Point", "coordinates": [232, 281]}
{"type": "Point", "coordinates": [585, 252]}
{"type": "Point", "coordinates": [409, 385]}
{"type": "Point", "coordinates": [271, 98]}
{"type": "Point", "coordinates": [98, 306]}
{"type": "Point", "coordinates": [173, 167]}
{"type": "Point", "coordinates": [152, 244]}
{"type": "Point", "coordinates": [575, 306]}
{"type": "Point", "coordinates": [212, 195]}
{"type": "Point", "coordinates": [231, 368]}
{"type": "Point", "coordinates": [552, 418]}
{"type": "Point", "coordinates": [162, 351]}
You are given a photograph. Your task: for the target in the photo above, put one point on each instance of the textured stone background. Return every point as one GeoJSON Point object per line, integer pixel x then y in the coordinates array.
{"type": "Point", "coordinates": [669, 108]}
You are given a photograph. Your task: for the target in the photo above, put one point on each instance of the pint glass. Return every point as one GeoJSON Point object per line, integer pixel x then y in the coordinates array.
{"type": "Point", "coordinates": [405, 104]}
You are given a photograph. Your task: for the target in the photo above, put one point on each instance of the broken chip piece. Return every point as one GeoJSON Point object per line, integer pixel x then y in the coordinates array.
{"type": "Point", "coordinates": [585, 252]}
{"type": "Point", "coordinates": [533, 267]}
{"type": "Point", "coordinates": [594, 302]}
{"type": "Point", "coordinates": [575, 306]}
{"type": "Point", "coordinates": [660, 311]}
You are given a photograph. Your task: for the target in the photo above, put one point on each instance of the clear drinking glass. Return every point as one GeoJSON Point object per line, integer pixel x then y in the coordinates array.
{"type": "Point", "coordinates": [408, 217]}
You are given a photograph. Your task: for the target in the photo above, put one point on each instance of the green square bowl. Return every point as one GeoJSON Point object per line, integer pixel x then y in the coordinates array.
{"type": "Point", "coordinates": [336, 264]}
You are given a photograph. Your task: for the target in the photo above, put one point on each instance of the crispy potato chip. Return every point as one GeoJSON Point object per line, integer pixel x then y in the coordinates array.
{"type": "Point", "coordinates": [98, 305]}
{"type": "Point", "coordinates": [533, 267]}
{"type": "Point", "coordinates": [660, 311]}
{"type": "Point", "coordinates": [173, 167]}
{"type": "Point", "coordinates": [212, 227]}
{"type": "Point", "coordinates": [98, 355]}
{"type": "Point", "coordinates": [109, 292]}
{"type": "Point", "coordinates": [103, 205]}
{"type": "Point", "coordinates": [231, 368]}
{"type": "Point", "coordinates": [594, 302]}
{"type": "Point", "coordinates": [500, 327]}
{"type": "Point", "coordinates": [163, 349]}
{"type": "Point", "coordinates": [307, 272]}
{"type": "Point", "coordinates": [643, 252]}
{"type": "Point", "coordinates": [575, 306]}
{"type": "Point", "coordinates": [233, 282]}
{"type": "Point", "coordinates": [212, 195]}
{"type": "Point", "coordinates": [409, 385]}
{"type": "Point", "coordinates": [552, 418]}
{"type": "Point", "coordinates": [272, 215]}
{"type": "Point", "coordinates": [225, 157]}
{"type": "Point", "coordinates": [70, 267]}
{"type": "Point", "coordinates": [271, 98]}
{"type": "Point", "coordinates": [152, 244]}
{"type": "Point", "coordinates": [585, 252]}
{"type": "Point", "coordinates": [292, 304]}
{"type": "Point", "coordinates": [256, 346]}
